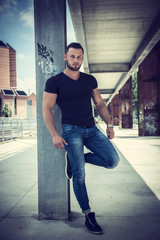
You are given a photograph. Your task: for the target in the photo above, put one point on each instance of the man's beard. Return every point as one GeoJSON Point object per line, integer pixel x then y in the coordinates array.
{"type": "Point", "coordinates": [72, 68]}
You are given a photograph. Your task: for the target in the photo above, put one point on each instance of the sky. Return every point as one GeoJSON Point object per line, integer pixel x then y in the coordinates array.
{"type": "Point", "coordinates": [17, 29]}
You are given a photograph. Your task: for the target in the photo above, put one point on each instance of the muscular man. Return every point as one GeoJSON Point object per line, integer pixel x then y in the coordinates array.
{"type": "Point", "coordinates": [72, 90]}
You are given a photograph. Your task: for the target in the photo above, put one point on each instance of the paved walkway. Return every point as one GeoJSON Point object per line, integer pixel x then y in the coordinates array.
{"type": "Point", "coordinates": [126, 199]}
{"type": "Point", "coordinates": [143, 153]}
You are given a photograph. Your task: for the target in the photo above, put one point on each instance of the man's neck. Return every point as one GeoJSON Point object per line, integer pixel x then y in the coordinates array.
{"type": "Point", "coordinates": [72, 74]}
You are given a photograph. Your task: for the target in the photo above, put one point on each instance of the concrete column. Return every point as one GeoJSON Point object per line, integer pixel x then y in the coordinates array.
{"type": "Point", "coordinates": [149, 95]}
{"type": "Point", "coordinates": [115, 110]}
{"type": "Point", "coordinates": [140, 103]}
{"type": "Point", "coordinates": [126, 104]}
{"type": "Point", "coordinates": [120, 110]}
{"type": "Point", "coordinates": [110, 110]}
{"type": "Point", "coordinates": [50, 41]}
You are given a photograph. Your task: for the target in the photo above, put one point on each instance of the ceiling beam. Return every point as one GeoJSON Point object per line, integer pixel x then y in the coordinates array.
{"type": "Point", "coordinates": [108, 67]}
{"type": "Point", "coordinates": [147, 44]}
{"type": "Point", "coordinates": [106, 91]}
{"type": "Point", "coordinates": [78, 24]}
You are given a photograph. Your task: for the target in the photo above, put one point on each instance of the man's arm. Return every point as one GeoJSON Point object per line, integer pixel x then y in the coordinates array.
{"type": "Point", "coordinates": [103, 111]}
{"type": "Point", "coordinates": [49, 101]}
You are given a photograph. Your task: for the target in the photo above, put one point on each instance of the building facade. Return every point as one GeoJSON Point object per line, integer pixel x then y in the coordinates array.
{"type": "Point", "coordinates": [19, 102]}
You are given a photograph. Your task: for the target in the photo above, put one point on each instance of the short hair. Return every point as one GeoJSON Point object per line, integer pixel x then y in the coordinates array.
{"type": "Point", "coordinates": [74, 45]}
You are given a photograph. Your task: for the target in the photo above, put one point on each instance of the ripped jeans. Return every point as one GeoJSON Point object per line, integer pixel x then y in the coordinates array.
{"type": "Point", "coordinates": [102, 154]}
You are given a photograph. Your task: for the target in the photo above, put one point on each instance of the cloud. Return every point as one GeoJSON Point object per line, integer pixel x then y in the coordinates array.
{"type": "Point", "coordinates": [27, 18]}
{"type": "Point", "coordinates": [7, 5]}
{"type": "Point", "coordinates": [20, 56]}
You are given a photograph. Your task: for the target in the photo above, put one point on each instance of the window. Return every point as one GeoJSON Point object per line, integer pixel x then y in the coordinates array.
{"type": "Point", "coordinates": [29, 108]}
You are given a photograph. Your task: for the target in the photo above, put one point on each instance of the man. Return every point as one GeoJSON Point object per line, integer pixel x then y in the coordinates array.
{"type": "Point", "coordinates": [72, 90]}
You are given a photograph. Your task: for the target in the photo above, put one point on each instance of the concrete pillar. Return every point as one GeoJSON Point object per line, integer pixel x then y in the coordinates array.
{"type": "Point", "coordinates": [125, 95]}
{"type": "Point", "coordinates": [140, 102]}
{"type": "Point", "coordinates": [115, 110]}
{"type": "Point", "coordinates": [50, 41]}
{"type": "Point", "coordinates": [120, 109]}
{"type": "Point", "coordinates": [149, 94]}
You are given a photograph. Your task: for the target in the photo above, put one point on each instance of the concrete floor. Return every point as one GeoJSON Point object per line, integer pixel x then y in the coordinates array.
{"type": "Point", "coordinates": [126, 199]}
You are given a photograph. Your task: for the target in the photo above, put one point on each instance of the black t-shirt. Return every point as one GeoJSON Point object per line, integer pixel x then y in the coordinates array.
{"type": "Point", "coordinates": [73, 97]}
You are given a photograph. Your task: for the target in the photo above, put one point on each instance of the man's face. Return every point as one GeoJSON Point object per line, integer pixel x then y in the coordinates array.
{"type": "Point", "coordinates": [74, 59]}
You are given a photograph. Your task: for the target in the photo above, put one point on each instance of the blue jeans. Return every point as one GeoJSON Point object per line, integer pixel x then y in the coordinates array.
{"type": "Point", "coordinates": [102, 154]}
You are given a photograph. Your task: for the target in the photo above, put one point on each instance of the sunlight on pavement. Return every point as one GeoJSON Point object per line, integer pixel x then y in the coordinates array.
{"type": "Point", "coordinates": [11, 148]}
{"type": "Point", "coordinates": [143, 153]}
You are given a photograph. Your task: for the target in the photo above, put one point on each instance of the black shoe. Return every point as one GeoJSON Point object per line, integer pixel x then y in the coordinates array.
{"type": "Point", "coordinates": [68, 169]}
{"type": "Point", "coordinates": [92, 225]}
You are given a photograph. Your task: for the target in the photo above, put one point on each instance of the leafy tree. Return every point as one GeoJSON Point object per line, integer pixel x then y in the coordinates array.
{"type": "Point", "coordinates": [134, 87]}
{"type": "Point", "coordinates": [135, 97]}
{"type": "Point", "coordinates": [6, 111]}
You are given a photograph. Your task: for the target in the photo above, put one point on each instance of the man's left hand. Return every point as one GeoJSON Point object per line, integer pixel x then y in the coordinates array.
{"type": "Point", "coordinates": [110, 132]}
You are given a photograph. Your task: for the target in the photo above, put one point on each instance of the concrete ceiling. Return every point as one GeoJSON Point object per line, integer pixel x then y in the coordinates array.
{"type": "Point", "coordinates": [116, 35]}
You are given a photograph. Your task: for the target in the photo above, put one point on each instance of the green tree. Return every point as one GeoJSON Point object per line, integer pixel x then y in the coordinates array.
{"type": "Point", "coordinates": [134, 87]}
{"type": "Point", "coordinates": [6, 111]}
{"type": "Point", "coordinates": [135, 97]}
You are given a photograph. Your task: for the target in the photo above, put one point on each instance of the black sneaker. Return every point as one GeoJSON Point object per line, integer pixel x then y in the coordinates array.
{"type": "Point", "coordinates": [68, 169]}
{"type": "Point", "coordinates": [92, 224]}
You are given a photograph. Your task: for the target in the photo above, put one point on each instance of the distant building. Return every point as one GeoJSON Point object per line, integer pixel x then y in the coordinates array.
{"type": "Point", "coordinates": [20, 103]}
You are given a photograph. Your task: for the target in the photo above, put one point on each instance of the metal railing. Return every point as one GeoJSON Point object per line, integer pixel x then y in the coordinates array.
{"type": "Point", "coordinates": [11, 128]}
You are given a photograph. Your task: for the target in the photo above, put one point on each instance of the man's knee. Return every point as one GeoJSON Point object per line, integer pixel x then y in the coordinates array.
{"type": "Point", "coordinates": [79, 176]}
{"type": "Point", "coordinates": [112, 162]}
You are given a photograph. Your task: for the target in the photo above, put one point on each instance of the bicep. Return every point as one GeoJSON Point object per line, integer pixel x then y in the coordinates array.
{"type": "Point", "coordinates": [49, 100]}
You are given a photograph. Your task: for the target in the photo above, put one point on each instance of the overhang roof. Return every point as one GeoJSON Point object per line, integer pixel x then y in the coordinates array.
{"type": "Point", "coordinates": [13, 93]}
{"type": "Point", "coordinates": [21, 93]}
{"type": "Point", "coordinates": [116, 35]}
{"type": "Point", "coordinates": [8, 92]}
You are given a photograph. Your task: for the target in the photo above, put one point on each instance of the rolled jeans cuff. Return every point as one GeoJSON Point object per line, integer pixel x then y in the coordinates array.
{"type": "Point", "coordinates": [89, 209]}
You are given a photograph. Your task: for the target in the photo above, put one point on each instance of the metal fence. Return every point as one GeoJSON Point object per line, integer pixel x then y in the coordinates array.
{"type": "Point", "coordinates": [11, 128]}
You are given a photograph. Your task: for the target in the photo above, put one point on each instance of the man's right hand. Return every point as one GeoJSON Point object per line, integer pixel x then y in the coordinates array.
{"type": "Point", "coordinates": [59, 141]}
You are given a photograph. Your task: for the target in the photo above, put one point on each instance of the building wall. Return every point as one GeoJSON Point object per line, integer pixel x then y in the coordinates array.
{"type": "Point", "coordinates": [32, 98]}
{"type": "Point", "coordinates": [149, 94]}
{"type": "Point", "coordinates": [12, 62]}
{"type": "Point", "coordinates": [8, 80]}
{"type": "Point", "coordinates": [4, 68]}
{"type": "Point", "coordinates": [21, 107]}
